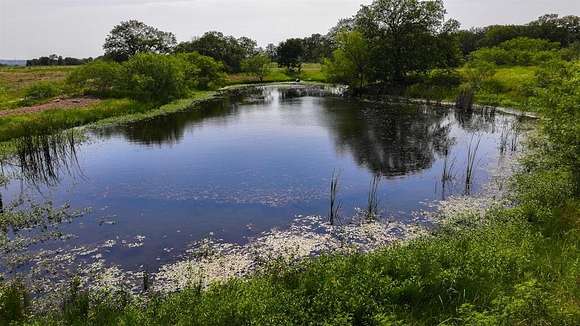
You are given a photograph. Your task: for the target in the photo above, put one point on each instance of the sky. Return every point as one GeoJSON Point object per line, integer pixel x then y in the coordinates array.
{"type": "Point", "coordinates": [77, 28]}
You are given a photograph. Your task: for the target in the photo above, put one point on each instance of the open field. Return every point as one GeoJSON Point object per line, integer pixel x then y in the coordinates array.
{"type": "Point", "coordinates": [15, 80]}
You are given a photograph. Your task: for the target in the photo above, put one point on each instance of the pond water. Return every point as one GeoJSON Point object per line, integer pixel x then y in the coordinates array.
{"type": "Point", "coordinates": [239, 166]}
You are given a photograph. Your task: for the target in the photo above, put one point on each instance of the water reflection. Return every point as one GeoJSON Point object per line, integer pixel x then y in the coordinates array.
{"type": "Point", "coordinates": [390, 141]}
{"type": "Point", "coordinates": [43, 160]}
{"type": "Point", "coordinates": [170, 129]}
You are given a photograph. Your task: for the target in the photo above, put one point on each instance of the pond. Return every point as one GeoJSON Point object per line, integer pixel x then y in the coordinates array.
{"type": "Point", "coordinates": [235, 167]}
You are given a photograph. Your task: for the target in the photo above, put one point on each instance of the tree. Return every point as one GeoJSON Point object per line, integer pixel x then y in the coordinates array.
{"type": "Point", "coordinates": [227, 49]}
{"type": "Point", "coordinates": [405, 36]}
{"type": "Point", "coordinates": [350, 62]}
{"type": "Point", "coordinates": [258, 65]}
{"type": "Point", "coordinates": [132, 37]}
{"type": "Point", "coordinates": [290, 54]}
{"type": "Point", "coordinates": [271, 51]}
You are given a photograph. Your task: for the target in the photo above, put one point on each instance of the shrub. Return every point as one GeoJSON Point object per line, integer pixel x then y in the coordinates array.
{"type": "Point", "coordinates": [41, 91]}
{"type": "Point", "coordinates": [100, 78]}
{"type": "Point", "coordinates": [202, 72]}
{"type": "Point", "coordinates": [154, 77]}
{"type": "Point", "coordinates": [520, 51]}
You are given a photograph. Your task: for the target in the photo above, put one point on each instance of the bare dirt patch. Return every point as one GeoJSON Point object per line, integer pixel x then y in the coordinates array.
{"type": "Point", "coordinates": [59, 103]}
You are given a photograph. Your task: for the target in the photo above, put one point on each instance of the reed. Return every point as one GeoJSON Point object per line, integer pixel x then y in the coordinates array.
{"type": "Point", "coordinates": [335, 204]}
{"type": "Point", "coordinates": [472, 150]}
{"type": "Point", "coordinates": [372, 212]}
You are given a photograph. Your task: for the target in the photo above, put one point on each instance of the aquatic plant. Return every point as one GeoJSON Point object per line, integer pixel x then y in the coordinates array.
{"type": "Point", "coordinates": [335, 205]}
{"type": "Point", "coordinates": [447, 174]}
{"type": "Point", "coordinates": [372, 211]}
{"type": "Point", "coordinates": [472, 150]}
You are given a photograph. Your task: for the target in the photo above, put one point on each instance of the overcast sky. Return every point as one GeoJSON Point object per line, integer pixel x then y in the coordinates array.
{"type": "Point", "coordinates": [30, 28]}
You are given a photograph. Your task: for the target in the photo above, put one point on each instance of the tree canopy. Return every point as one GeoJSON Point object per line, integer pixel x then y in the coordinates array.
{"type": "Point", "coordinates": [290, 54]}
{"type": "Point", "coordinates": [132, 37]}
{"type": "Point", "coordinates": [227, 49]}
{"type": "Point", "coordinates": [407, 36]}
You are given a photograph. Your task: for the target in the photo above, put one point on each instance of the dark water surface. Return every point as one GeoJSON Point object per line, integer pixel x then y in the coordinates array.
{"type": "Point", "coordinates": [237, 167]}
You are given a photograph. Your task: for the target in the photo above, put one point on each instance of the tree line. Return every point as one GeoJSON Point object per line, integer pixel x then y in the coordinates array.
{"type": "Point", "coordinates": [388, 43]}
{"type": "Point", "coordinates": [57, 60]}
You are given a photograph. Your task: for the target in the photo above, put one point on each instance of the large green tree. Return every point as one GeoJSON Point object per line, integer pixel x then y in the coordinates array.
{"type": "Point", "coordinates": [290, 54]}
{"type": "Point", "coordinates": [407, 36]}
{"type": "Point", "coordinates": [133, 37]}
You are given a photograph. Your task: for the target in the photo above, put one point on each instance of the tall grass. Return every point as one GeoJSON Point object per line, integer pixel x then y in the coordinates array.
{"type": "Point", "coordinates": [335, 204]}
{"type": "Point", "coordinates": [447, 175]}
{"type": "Point", "coordinates": [372, 211]}
{"type": "Point", "coordinates": [472, 150]}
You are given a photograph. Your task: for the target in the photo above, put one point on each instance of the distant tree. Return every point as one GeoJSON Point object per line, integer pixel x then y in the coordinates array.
{"type": "Point", "coordinates": [56, 60]}
{"type": "Point", "coordinates": [258, 65]}
{"type": "Point", "coordinates": [316, 48]}
{"type": "Point", "coordinates": [350, 62]}
{"type": "Point", "coordinates": [227, 49]}
{"type": "Point", "coordinates": [271, 51]}
{"type": "Point", "coordinates": [290, 54]}
{"type": "Point", "coordinates": [132, 37]}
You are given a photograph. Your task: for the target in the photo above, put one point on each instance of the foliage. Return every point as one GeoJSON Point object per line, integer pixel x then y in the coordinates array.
{"type": "Point", "coordinates": [132, 37]}
{"type": "Point", "coordinates": [350, 63]}
{"type": "Point", "coordinates": [40, 91]}
{"type": "Point", "coordinates": [290, 54]}
{"type": "Point", "coordinates": [154, 77]}
{"type": "Point", "coordinates": [519, 51]}
{"type": "Point", "coordinates": [100, 78]}
{"type": "Point", "coordinates": [227, 49]}
{"type": "Point", "coordinates": [55, 60]}
{"type": "Point", "coordinates": [551, 27]}
{"type": "Point", "coordinates": [558, 98]}
{"type": "Point", "coordinates": [407, 36]}
{"type": "Point", "coordinates": [202, 72]}
{"type": "Point", "coordinates": [258, 65]}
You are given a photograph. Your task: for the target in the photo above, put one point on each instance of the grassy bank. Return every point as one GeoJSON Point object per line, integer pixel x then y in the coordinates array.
{"type": "Point", "coordinates": [310, 72]}
{"type": "Point", "coordinates": [517, 267]}
{"type": "Point", "coordinates": [105, 112]}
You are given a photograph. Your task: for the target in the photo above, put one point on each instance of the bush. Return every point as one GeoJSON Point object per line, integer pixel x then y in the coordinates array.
{"type": "Point", "coordinates": [519, 51]}
{"type": "Point", "coordinates": [100, 78]}
{"type": "Point", "coordinates": [154, 77]}
{"type": "Point", "coordinates": [202, 72]}
{"type": "Point", "coordinates": [41, 91]}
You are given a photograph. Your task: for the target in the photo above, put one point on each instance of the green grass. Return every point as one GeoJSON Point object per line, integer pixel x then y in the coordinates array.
{"type": "Point", "coordinates": [107, 112]}
{"type": "Point", "coordinates": [507, 272]}
{"type": "Point", "coordinates": [516, 266]}
{"type": "Point", "coordinates": [310, 72]}
{"type": "Point", "coordinates": [15, 80]}
{"type": "Point", "coordinates": [510, 89]}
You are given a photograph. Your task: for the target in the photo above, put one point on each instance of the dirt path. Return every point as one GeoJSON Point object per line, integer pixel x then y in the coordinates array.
{"type": "Point", "coordinates": [68, 103]}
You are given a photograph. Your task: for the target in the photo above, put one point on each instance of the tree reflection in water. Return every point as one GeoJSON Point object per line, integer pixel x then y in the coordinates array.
{"type": "Point", "coordinates": [42, 160]}
{"type": "Point", "coordinates": [390, 141]}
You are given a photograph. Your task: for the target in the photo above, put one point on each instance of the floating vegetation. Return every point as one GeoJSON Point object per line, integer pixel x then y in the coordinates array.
{"type": "Point", "coordinates": [335, 205]}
